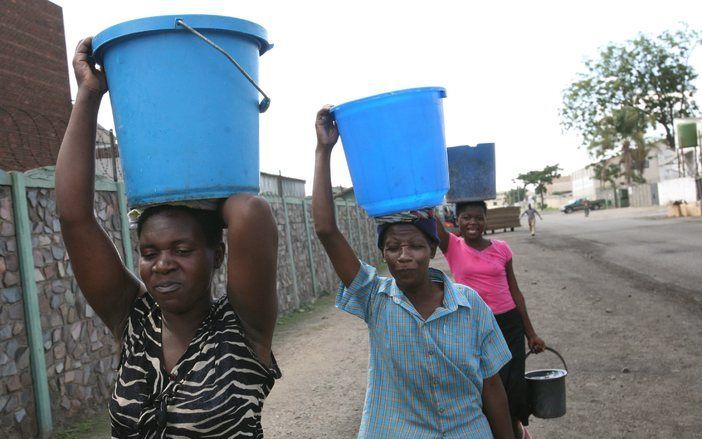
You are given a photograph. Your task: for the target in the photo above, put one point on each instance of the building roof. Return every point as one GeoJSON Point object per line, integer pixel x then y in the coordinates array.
{"type": "Point", "coordinates": [282, 177]}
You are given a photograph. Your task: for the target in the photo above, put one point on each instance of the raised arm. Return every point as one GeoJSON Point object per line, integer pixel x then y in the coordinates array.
{"type": "Point", "coordinates": [108, 286]}
{"type": "Point", "coordinates": [252, 262]}
{"type": "Point", "coordinates": [342, 256]}
{"type": "Point", "coordinates": [443, 235]}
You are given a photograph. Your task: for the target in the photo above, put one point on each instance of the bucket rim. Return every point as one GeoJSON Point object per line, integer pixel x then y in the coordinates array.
{"type": "Point", "coordinates": [563, 371]}
{"type": "Point", "coordinates": [168, 22]}
{"type": "Point", "coordinates": [346, 105]}
{"type": "Point", "coordinates": [477, 145]}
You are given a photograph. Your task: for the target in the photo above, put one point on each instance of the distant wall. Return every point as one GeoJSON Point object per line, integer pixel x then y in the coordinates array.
{"type": "Point", "coordinates": [643, 195]}
{"type": "Point", "coordinates": [679, 189]}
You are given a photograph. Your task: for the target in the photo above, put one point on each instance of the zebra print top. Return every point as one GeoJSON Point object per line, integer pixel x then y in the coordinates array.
{"type": "Point", "coordinates": [215, 391]}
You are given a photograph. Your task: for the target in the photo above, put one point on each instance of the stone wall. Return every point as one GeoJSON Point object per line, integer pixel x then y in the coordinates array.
{"type": "Point", "coordinates": [80, 354]}
{"type": "Point", "coordinates": [79, 350]}
{"type": "Point", "coordinates": [16, 392]}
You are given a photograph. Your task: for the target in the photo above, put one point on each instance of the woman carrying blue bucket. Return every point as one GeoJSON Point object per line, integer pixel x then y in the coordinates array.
{"type": "Point", "coordinates": [435, 348]}
{"type": "Point", "coordinates": [189, 366]}
{"type": "Point", "coordinates": [486, 265]}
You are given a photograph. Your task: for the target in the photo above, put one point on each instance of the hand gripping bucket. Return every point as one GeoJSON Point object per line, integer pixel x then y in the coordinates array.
{"type": "Point", "coordinates": [185, 104]}
{"type": "Point", "coordinates": [547, 390]}
{"type": "Point", "coordinates": [395, 149]}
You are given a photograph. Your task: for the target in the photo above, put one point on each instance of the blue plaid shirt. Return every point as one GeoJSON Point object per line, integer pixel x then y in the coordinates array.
{"type": "Point", "coordinates": [425, 377]}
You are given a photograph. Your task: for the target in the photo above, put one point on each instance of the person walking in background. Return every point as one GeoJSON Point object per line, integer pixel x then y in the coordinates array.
{"type": "Point", "coordinates": [435, 347]}
{"type": "Point", "coordinates": [531, 214]}
{"type": "Point", "coordinates": [486, 265]}
{"type": "Point", "coordinates": [586, 208]}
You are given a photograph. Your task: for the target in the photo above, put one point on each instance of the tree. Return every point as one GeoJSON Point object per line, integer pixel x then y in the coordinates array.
{"type": "Point", "coordinates": [651, 76]}
{"type": "Point", "coordinates": [539, 179]}
{"type": "Point", "coordinates": [514, 196]}
{"type": "Point", "coordinates": [607, 173]}
{"type": "Point", "coordinates": [623, 131]}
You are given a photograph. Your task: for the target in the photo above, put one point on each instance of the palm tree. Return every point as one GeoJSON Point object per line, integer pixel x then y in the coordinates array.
{"type": "Point", "coordinates": [622, 133]}
{"type": "Point", "coordinates": [607, 173]}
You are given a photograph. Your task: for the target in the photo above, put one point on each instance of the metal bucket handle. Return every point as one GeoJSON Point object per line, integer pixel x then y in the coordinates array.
{"type": "Point", "coordinates": [555, 352]}
{"type": "Point", "coordinates": [266, 102]}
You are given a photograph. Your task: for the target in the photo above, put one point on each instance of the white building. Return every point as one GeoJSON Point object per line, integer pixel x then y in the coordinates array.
{"type": "Point", "coordinates": [661, 165]}
{"type": "Point", "coordinates": [584, 183]}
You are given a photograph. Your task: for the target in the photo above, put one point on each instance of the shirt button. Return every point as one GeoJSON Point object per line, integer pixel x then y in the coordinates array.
{"type": "Point", "coordinates": [436, 382]}
{"type": "Point", "coordinates": [430, 352]}
{"type": "Point", "coordinates": [441, 410]}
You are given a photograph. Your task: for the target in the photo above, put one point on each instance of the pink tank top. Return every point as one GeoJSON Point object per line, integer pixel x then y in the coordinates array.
{"type": "Point", "coordinates": [484, 271]}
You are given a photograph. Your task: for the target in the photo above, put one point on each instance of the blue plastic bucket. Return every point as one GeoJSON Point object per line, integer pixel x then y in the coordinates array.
{"type": "Point", "coordinates": [186, 118]}
{"type": "Point", "coordinates": [471, 173]}
{"type": "Point", "coordinates": [395, 149]}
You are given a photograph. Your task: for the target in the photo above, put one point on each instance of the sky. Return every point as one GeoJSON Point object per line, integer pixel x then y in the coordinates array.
{"type": "Point", "coordinates": [504, 65]}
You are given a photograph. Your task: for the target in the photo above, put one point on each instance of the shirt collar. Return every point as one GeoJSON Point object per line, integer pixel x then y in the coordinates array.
{"type": "Point", "coordinates": [453, 297]}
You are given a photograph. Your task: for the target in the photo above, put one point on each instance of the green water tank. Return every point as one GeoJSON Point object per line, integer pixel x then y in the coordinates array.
{"type": "Point", "coordinates": [687, 135]}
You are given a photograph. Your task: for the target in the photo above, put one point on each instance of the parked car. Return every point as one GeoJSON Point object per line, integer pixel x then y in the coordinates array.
{"type": "Point", "coordinates": [579, 204]}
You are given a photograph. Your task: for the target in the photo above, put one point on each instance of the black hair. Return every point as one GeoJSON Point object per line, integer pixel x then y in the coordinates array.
{"type": "Point", "coordinates": [210, 221]}
{"type": "Point", "coordinates": [461, 206]}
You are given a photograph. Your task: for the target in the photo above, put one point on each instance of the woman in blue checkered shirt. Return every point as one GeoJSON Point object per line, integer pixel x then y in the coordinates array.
{"type": "Point", "coordinates": [435, 347]}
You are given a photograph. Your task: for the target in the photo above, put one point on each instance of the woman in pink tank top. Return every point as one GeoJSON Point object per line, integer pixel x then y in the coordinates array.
{"type": "Point", "coordinates": [486, 266]}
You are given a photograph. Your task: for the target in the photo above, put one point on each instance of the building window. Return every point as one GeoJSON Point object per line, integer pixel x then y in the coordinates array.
{"type": "Point", "coordinates": [634, 164]}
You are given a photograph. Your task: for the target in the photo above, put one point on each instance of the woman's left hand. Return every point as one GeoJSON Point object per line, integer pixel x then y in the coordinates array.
{"type": "Point", "coordinates": [536, 344]}
{"type": "Point", "coordinates": [327, 131]}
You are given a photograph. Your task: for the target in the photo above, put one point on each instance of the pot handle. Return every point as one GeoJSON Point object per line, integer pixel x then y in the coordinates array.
{"type": "Point", "coordinates": [266, 102]}
{"type": "Point", "coordinates": [555, 352]}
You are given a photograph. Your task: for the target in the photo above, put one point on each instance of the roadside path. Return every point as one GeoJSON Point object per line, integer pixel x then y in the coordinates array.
{"type": "Point", "coordinates": [632, 346]}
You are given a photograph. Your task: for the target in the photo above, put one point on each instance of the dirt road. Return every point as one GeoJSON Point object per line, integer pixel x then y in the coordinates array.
{"type": "Point", "coordinates": [632, 343]}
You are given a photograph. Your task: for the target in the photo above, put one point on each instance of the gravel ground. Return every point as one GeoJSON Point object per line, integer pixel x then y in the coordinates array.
{"type": "Point", "coordinates": [631, 336]}
{"type": "Point", "coordinates": [632, 344]}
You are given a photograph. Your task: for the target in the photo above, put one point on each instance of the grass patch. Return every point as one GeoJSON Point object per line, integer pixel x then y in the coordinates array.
{"type": "Point", "coordinates": [325, 299]}
{"type": "Point", "coordinates": [97, 426]}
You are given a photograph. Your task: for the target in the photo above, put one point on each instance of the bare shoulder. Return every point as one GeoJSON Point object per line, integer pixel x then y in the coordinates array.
{"type": "Point", "coordinates": [247, 203]}
{"type": "Point", "coordinates": [246, 209]}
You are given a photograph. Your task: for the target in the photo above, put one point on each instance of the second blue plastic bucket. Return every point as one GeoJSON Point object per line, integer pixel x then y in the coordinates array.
{"type": "Point", "coordinates": [395, 149]}
{"type": "Point", "coordinates": [471, 173]}
{"type": "Point", "coordinates": [186, 118]}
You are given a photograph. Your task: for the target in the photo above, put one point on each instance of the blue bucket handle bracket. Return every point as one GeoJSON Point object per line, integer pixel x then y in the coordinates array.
{"type": "Point", "coordinates": [266, 101]}
{"type": "Point", "coordinates": [565, 366]}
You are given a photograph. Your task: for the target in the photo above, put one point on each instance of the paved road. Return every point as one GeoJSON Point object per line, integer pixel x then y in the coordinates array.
{"type": "Point", "coordinates": [643, 240]}
{"type": "Point", "coordinates": [617, 294]}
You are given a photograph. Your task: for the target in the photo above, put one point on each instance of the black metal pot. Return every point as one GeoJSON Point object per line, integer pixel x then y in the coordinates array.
{"type": "Point", "coordinates": [547, 390]}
